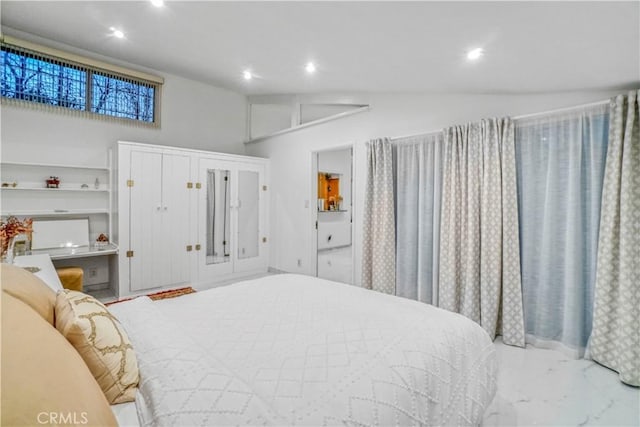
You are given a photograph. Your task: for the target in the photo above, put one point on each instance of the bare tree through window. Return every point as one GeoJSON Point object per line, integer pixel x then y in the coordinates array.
{"type": "Point", "coordinates": [31, 77]}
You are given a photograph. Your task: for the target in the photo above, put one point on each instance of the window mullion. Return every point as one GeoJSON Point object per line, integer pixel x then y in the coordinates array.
{"type": "Point", "coordinates": [89, 90]}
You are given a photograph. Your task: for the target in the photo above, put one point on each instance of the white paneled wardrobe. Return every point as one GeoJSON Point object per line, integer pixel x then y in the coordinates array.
{"type": "Point", "coordinates": [187, 216]}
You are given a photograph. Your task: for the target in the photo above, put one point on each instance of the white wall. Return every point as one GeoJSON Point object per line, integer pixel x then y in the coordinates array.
{"type": "Point", "coordinates": [269, 118]}
{"type": "Point", "coordinates": [193, 115]}
{"type": "Point", "coordinates": [390, 115]}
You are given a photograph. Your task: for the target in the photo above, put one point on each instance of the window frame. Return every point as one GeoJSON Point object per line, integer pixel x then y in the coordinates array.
{"type": "Point", "coordinates": [89, 67]}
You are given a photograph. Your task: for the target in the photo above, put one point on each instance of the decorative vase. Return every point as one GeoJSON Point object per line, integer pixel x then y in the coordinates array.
{"type": "Point", "coordinates": [6, 257]}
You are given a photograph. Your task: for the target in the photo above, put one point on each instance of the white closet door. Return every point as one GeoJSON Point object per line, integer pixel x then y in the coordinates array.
{"type": "Point", "coordinates": [145, 203]}
{"type": "Point", "coordinates": [250, 204]}
{"type": "Point", "coordinates": [174, 262]}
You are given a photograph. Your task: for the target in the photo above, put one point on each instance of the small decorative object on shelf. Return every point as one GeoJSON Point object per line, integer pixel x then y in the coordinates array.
{"type": "Point", "coordinates": [102, 241]}
{"type": "Point", "coordinates": [20, 247]}
{"type": "Point", "coordinates": [53, 182]}
{"type": "Point", "coordinates": [9, 184]}
{"type": "Point", "coordinates": [97, 184]}
{"type": "Point", "coordinates": [84, 186]}
{"type": "Point", "coordinates": [10, 229]}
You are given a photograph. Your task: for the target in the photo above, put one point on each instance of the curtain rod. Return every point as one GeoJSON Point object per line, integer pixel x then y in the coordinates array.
{"type": "Point", "coordinates": [561, 110]}
{"type": "Point", "coordinates": [520, 117]}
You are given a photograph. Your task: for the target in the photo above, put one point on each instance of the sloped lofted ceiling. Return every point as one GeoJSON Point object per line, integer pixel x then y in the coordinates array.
{"type": "Point", "coordinates": [357, 46]}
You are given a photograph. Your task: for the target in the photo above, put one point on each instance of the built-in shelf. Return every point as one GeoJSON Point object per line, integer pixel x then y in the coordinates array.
{"type": "Point", "coordinates": [55, 212]}
{"type": "Point", "coordinates": [31, 198]}
{"type": "Point", "coordinates": [339, 211]}
{"type": "Point", "coordinates": [83, 190]}
{"type": "Point", "coordinates": [58, 166]}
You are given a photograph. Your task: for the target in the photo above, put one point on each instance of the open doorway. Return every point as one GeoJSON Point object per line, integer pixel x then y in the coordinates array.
{"type": "Point", "coordinates": [333, 193]}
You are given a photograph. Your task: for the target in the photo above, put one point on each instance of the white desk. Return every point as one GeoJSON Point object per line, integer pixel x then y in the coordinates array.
{"type": "Point", "coordinates": [47, 271]}
{"type": "Point", "coordinates": [78, 252]}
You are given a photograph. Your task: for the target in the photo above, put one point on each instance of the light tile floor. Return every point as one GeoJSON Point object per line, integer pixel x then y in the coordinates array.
{"type": "Point", "coordinates": [544, 387]}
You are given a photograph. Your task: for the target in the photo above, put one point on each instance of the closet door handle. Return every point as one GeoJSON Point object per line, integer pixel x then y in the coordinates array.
{"type": "Point", "coordinates": [164, 209]}
{"type": "Point", "coordinates": [158, 208]}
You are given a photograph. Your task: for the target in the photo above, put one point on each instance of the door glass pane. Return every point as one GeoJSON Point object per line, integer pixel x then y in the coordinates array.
{"type": "Point", "coordinates": [248, 233]}
{"type": "Point", "coordinates": [218, 216]}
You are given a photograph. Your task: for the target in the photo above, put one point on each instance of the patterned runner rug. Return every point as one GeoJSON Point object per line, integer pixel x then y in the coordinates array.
{"type": "Point", "coordinates": [172, 293]}
{"type": "Point", "coordinates": [162, 294]}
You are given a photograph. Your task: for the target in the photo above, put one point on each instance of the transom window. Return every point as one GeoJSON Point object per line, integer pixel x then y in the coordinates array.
{"type": "Point", "coordinates": [29, 76]}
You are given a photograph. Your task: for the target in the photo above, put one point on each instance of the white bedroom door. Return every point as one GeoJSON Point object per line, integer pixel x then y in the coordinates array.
{"type": "Point", "coordinates": [158, 220]}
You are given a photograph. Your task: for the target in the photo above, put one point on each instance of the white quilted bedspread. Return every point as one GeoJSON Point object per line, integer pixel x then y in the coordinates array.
{"type": "Point", "coordinates": [296, 350]}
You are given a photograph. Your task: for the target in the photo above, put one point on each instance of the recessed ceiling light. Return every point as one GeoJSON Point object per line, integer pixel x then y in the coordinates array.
{"type": "Point", "coordinates": [157, 3]}
{"type": "Point", "coordinates": [247, 75]}
{"type": "Point", "coordinates": [474, 54]}
{"type": "Point", "coordinates": [310, 67]}
{"type": "Point", "coordinates": [117, 33]}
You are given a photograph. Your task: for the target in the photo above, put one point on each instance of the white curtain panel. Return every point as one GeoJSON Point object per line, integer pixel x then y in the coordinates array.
{"type": "Point", "coordinates": [479, 247]}
{"type": "Point", "coordinates": [616, 325]}
{"type": "Point", "coordinates": [379, 240]}
{"type": "Point", "coordinates": [418, 162]}
{"type": "Point", "coordinates": [560, 162]}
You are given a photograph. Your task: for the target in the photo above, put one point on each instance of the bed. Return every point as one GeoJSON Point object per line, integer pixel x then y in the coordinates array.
{"type": "Point", "coordinates": [296, 350]}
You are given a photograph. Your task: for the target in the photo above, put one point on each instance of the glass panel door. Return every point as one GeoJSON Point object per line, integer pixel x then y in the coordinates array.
{"type": "Point", "coordinates": [215, 242]}
{"type": "Point", "coordinates": [218, 249]}
{"type": "Point", "coordinates": [232, 218]}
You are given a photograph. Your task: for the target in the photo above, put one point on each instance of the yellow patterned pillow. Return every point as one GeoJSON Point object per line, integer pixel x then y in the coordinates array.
{"type": "Point", "coordinates": [101, 341]}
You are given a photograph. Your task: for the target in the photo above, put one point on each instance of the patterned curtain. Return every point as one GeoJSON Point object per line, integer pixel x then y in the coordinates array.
{"type": "Point", "coordinates": [479, 243]}
{"type": "Point", "coordinates": [615, 340]}
{"type": "Point", "coordinates": [379, 240]}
